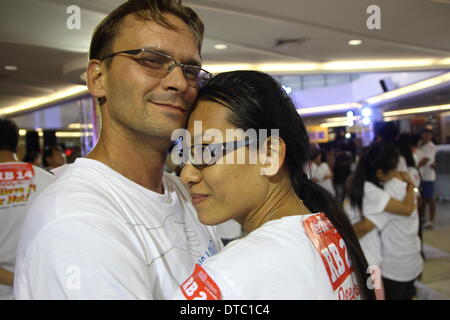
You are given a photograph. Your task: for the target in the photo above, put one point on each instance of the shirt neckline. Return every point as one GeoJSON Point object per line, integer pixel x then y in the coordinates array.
{"type": "Point", "coordinates": [89, 162]}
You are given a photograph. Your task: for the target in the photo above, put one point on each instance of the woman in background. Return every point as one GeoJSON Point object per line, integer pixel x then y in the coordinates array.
{"type": "Point", "coordinates": [320, 171]}
{"type": "Point", "coordinates": [374, 206]}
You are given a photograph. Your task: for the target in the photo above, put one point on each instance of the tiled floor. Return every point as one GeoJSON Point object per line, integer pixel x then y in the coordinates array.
{"type": "Point", "coordinates": [435, 281]}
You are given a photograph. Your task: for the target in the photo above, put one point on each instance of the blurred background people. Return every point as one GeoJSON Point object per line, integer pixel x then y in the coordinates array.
{"type": "Point", "coordinates": [33, 157]}
{"type": "Point", "coordinates": [341, 171]}
{"type": "Point", "coordinates": [20, 183]}
{"type": "Point", "coordinates": [427, 167]}
{"type": "Point", "coordinates": [320, 172]}
{"type": "Point", "coordinates": [373, 210]}
{"type": "Point", "coordinates": [53, 157]}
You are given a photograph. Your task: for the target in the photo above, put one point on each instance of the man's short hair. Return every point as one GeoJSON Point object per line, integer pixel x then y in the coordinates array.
{"type": "Point", "coordinates": [9, 135]}
{"type": "Point", "coordinates": [48, 153]}
{"type": "Point", "coordinates": [427, 130]}
{"type": "Point", "coordinates": [151, 10]}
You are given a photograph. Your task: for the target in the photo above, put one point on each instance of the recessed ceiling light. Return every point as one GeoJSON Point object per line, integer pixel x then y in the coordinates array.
{"type": "Point", "coordinates": [354, 42]}
{"type": "Point", "coordinates": [11, 68]}
{"type": "Point", "coordinates": [220, 46]}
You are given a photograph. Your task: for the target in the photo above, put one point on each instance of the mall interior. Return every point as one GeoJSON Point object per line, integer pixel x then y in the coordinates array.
{"type": "Point", "coordinates": [351, 67]}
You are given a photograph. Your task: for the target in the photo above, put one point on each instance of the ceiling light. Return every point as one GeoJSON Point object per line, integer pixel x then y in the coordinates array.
{"type": "Point", "coordinates": [67, 134]}
{"type": "Point", "coordinates": [287, 67]}
{"type": "Point", "coordinates": [80, 126]}
{"type": "Point", "coordinates": [444, 61]}
{"type": "Point", "coordinates": [376, 64]}
{"type": "Point", "coordinates": [287, 89]}
{"type": "Point", "coordinates": [410, 88]}
{"type": "Point", "coordinates": [11, 68]}
{"type": "Point", "coordinates": [442, 107]}
{"type": "Point", "coordinates": [220, 46]}
{"type": "Point", "coordinates": [366, 112]}
{"type": "Point", "coordinates": [37, 102]}
{"type": "Point", "coordinates": [328, 108]}
{"type": "Point", "coordinates": [334, 124]}
{"type": "Point", "coordinates": [366, 121]}
{"type": "Point", "coordinates": [354, 42]}
{"type": "Point", "coordinates": [341, 66]}
{"type": "Point", "coordinates": [227, 67]}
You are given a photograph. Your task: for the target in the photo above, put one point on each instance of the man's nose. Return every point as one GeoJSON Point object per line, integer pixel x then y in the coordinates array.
{"type": "Point", "coordinates": [175, 80]}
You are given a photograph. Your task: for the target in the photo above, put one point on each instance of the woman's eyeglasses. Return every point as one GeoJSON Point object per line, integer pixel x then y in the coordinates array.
{"type": "Point", "coordinates": [204, 155]}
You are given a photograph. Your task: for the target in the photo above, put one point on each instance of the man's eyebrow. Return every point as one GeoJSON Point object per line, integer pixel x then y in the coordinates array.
{"type": "Point", "coordinates": [190, 61]}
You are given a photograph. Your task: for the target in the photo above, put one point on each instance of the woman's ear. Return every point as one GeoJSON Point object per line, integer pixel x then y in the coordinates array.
{"type": "Point", "coordinates": [272, 155]}
{"type": "Point", "coordinates": [95, 78]}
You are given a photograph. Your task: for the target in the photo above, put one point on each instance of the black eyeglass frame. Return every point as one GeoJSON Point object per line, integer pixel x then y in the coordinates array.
{"type": "Point", "coordinates": [135, 52]}
{"type": "Point", "coordinates": [219, 150]}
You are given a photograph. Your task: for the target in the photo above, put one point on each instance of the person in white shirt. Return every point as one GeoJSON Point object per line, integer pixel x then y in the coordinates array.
{"type": "Point", "coordinates": [401, 261]}
{"type": "Point", "coordinates": [113, 225]}
{"type": "Point", "coordinates": [427, 167]}
{"type": "Point", "coordinates": [320, 172]}
{"type": "Point", "coordinates": [20, 183]}
{"type": "Point", "coordinates": [406, 148]}
{"type": "Point", "coordinates": [299, 243]}
{"type": "Point", "coordinates": [370, 208]}
{"type": "Point", "coordinates": [228, 231]}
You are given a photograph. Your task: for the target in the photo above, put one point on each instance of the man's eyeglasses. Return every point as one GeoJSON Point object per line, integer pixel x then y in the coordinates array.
{"type": "Point", "coordinates": [204, 155]}
{"type": "Point", "coordinates": [159, 65]}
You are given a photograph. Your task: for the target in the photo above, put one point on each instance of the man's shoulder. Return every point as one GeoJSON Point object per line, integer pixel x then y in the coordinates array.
{"type": "Point", "coordinates": [43, 175]}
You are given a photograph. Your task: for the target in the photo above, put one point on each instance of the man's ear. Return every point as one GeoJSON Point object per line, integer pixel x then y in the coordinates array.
{"type": "Point", "coordinates": [272, 155]}
{"type": "Point", "coordinates": [95, 78]}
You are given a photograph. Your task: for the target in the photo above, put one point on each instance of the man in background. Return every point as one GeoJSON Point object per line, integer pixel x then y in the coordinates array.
{"type": "Point", "coordinates": [427, 168]}
{"type": "Point", "coordinates": [53, 157]}
{"type": "Point", "coordinates": [20, 183]}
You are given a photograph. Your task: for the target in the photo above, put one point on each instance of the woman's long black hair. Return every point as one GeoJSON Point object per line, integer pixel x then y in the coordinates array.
{"type": "Point", "coordinates": [257, 101]}
{"type": "Point", "coordinates": [404, 146]}
{"type": "Point", "coordinates": [379, 155]}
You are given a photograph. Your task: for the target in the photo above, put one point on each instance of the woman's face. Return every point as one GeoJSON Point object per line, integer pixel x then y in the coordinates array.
{"type": "Point", "coordinates": [223, 191]}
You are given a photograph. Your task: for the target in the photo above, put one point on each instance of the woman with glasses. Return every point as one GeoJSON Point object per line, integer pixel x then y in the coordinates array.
{"type": "Point", "coordinates": [300, 244]}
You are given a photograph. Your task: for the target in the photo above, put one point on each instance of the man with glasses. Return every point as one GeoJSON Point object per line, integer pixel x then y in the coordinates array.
{"type": "Point", "coordinates": [114, 225]}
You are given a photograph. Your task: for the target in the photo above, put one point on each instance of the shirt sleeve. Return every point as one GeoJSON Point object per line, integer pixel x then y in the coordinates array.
{"type": "Point", "coordinates": [82, 258]}
{"type": "Point", "coordinates": [321, 172]}
{"type": "Point", "coordinates": [374, 204]}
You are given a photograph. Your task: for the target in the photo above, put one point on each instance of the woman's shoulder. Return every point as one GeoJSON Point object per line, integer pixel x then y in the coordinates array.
{"type": "Point", "coordinates": [277, 239]}
{"type": "Point", "coordinates": [278, 252]}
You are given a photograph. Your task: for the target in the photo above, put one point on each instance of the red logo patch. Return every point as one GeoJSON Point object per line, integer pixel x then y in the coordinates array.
{"type": "Point", "coordinates": [200, 286]}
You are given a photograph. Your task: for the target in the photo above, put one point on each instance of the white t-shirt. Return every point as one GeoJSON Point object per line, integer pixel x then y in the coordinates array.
{"type": "Point", "coordinates": [279, 260]}
{"type": "Point", "coordinates": [323, 170]}
{"type": "Point", "coordinates": [402, 166]}
{"type": "Point", "coordinates": [426, 171]}
{"type": "Point", "coordinates": [415, 176]}
{"type": "Point", "coordinates": [401, 258]}
{"type": "Point", "coordinates": [375, 201]}
{"type": "Point", "coordinates": [417, 155]}
{"type": "Point", "coordinates": [229, 230]}
{"type": "Point", "coordinates": [319, 172]}
{"type": "Point", "coordinates": [20, 183]}
{"type": "Point", "coordinates": [94, 234]}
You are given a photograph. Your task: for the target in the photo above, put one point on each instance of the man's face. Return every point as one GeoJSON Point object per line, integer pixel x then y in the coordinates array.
{"type": "Point", "coordinates": [427, 136]}
{"type": "Point", "coordinates": [57, 159]}
{"type": "Point", "coordinates": [139, 102]}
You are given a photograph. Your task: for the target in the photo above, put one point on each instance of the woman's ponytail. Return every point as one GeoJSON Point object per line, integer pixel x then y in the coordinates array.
{"type": "Point", "coordinates": [317, 199]}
